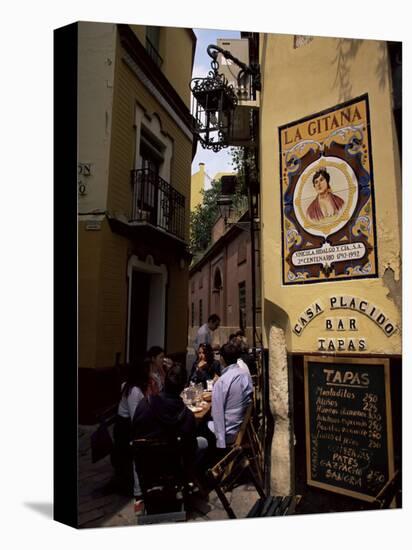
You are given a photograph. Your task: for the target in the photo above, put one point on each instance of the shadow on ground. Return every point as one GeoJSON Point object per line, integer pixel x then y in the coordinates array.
{"type": "Point", "coordinates": [43, 508]}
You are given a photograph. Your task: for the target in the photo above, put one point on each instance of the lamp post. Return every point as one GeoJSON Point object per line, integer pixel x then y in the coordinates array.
{"type": "Point", "coordinates": [216, 102]}
{"type": "Point", "coordinates": [215, 105]}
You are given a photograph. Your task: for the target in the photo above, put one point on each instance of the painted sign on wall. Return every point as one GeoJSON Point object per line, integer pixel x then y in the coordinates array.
{"type": "Point", "coordinates": [349, 442]}
{"type": "Point", "coordinates": [340, 330]}
{"type": "Point", "coordinates": [328, 220]}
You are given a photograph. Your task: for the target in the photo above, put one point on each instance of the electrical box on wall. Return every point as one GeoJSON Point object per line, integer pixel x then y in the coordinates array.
{"type": "Point", "coordinates": [238, 47]}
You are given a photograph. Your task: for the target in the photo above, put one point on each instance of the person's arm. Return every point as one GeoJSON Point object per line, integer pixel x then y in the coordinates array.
{"type": "Point", "coordinates": [218, 414]}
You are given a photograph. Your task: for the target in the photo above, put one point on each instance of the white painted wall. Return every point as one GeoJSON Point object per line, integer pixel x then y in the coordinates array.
{"type": "Point", "coordinates": [96, 60]}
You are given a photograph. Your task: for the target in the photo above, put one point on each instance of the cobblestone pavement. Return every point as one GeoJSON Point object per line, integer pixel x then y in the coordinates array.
{"type": "Point", "coordinates": [101, 506]}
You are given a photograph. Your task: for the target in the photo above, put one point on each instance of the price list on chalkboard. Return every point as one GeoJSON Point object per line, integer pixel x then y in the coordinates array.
{"type": "Point", "coordinates": [348, 425]}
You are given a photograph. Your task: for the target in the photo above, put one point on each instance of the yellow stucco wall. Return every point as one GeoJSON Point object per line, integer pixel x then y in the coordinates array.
{"type": "Point", "coordinates": [96, 62]}
{"type": "Point", "coordinates": [298, 83]}
{"type": "Point", "coordinates": [197, 185]}
{"type": "Point", "coordinates": [89, 261]}
{"type": "Point", "coordinates": [112, 306]}
{"type": "Point", "coordinates": [219, 175]}
{"type": "Point", "coordinates": [175, 47]}
{"type": "Point", "coordinates": [109, 310]}
{"type": "Point", "coordinates": [95, 92]}
{"type": "Point", "coordinates": [177, 67]}
{"type": "Point", "coordinates": [140, 32]}
{"type": "Point", "coordinates": [108, 94]}
{"type": "Point", "coordinates": [131, 91]}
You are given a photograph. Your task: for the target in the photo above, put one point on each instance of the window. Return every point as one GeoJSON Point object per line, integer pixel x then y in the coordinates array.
{"type": "Point", "coordinates": [193, 314]}
{"type": "Point", "coordinates": [217, 281]}
{"type": "Point", "coordinates": [242, 305]}
{"type": "Point", "coordinates": [150, 160]}
{"type": "Point", "coordinates": [200, 313]}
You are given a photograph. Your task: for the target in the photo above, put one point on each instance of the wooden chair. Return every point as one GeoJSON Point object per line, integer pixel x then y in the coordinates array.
{"type": "Point", "coordinates": [241, 458]}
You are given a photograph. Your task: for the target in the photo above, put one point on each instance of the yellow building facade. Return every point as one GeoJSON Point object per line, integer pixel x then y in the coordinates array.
{"type": "Point", "coordinates": [135, 152]}
{"type": "Point", "coordinates": [331, 281]}
{"type": "Point", "coordinates": [197, 186]}
{"type": "Point", "coordinates": [283, 100]}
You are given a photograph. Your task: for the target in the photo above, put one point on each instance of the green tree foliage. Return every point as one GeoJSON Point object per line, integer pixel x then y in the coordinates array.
{"type": "Point", "coordinates": [203, 218]}
{"type": "Point", "coordinates": [243, 159]}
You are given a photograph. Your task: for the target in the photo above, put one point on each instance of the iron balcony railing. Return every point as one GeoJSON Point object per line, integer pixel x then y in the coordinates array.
{"type": "Point", "coordinates": [157, 202]}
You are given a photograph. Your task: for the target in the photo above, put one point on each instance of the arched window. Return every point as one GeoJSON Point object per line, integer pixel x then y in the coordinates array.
{"type": "Point", "coordinates": [217, 281]}
{"type": "Point", "coordinates": [217, 290]}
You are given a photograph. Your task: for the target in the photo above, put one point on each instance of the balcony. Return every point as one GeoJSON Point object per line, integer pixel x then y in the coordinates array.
{"type": "Point", "coordinates": [156, 202]}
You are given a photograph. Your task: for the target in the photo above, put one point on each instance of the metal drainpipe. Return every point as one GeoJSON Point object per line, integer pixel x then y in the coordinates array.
{"type": "Point", "coordinates": [252, 249]}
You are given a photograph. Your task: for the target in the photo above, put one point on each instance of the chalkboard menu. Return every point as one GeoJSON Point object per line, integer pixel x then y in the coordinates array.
{"type": "Point", "coordinates": [349, 445]}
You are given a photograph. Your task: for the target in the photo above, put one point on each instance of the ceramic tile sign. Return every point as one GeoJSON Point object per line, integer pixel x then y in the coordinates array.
{"type": "Point", "coordinates": [349, 443]}
{"type": "Point", "coordinates": [328, 218]}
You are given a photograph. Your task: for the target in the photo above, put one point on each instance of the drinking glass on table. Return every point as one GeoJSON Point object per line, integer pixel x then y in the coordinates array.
{"type": "Point", "coordinates": [198, 394]}
{"type": "Point", "coordinates": [188, 396]}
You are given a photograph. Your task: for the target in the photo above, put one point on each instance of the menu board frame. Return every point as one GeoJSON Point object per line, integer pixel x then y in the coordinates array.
{"type": "Point", "coordinates": [333, 361]}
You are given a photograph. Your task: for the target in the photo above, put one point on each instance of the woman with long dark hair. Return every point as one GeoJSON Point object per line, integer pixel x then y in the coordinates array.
{"type": "Point", "coordinates": [132, 392]}
{"type": "Point", "coordinates": [205, 367]}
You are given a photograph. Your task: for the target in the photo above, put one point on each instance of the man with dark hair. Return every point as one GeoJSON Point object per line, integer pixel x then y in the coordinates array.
{"type": "Point", "coordinates": [231, 396]}
{"type": "Point", "coordinates": [204, 334]}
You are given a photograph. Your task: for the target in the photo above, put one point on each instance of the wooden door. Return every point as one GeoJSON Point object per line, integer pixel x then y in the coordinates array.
{"type": "Point", "coordinates": [139, 314]}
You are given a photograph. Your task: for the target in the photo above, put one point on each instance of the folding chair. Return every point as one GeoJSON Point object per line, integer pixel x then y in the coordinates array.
{"type": "Point", "coordinates": [240, 458]}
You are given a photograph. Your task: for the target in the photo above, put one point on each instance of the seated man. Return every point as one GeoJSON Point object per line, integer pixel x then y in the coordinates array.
{"type": "Point", "coordinates": [231, 396]}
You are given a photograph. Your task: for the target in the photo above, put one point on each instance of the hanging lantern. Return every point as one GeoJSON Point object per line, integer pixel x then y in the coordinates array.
{"type": "Point", "coordinates": [220, 118]}
{"type": "Point", "coordinates": [214, 103]}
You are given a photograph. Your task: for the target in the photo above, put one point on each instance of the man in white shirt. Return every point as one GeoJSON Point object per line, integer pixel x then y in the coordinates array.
{"type": "Point", "coordinates": [204, 334]}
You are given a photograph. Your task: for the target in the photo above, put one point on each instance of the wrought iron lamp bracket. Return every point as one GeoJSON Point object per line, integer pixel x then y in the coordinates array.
{"type": "Point", "coordinates": [253, 69]}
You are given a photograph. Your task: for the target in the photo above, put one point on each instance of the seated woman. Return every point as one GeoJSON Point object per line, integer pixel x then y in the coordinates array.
{"type": "Point", "coordinates": [205, 367]}
{"type": "Point", "coordinates": [132, 392]}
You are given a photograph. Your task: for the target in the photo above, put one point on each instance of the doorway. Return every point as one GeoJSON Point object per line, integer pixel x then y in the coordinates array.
{"type": "Point", "coordinates": [139, 314]}
{"type": "Point", "coordinates": [146, 319]}
{"type": "Point", "coordinates": [217, 290]}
